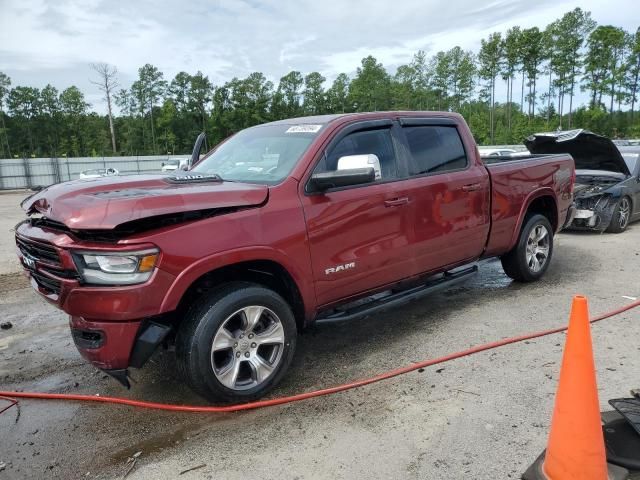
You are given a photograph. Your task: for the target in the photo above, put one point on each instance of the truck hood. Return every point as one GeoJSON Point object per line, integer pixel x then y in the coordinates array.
{"type": "Point", "coordinates": [589, 151]}
{"type": "Point", "coordinates": [106, 203]}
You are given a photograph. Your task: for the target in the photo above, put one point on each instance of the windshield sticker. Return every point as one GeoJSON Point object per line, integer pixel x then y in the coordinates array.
{"type": "Point", "coordinates": [304, 129]}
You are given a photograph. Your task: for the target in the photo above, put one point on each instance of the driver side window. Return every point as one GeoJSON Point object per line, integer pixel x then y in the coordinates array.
{"type": "Point", "coordinates": [369, 143]}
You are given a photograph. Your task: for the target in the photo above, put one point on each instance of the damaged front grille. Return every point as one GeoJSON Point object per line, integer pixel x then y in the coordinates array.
{"type": "Point", "coordinates": [38, 251]}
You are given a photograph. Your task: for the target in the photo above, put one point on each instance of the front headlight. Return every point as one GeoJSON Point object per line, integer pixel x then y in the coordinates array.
{"type": "Point", "coordinates": [593, 202]}
{"type": "Point", "coordinates": [116, 268]}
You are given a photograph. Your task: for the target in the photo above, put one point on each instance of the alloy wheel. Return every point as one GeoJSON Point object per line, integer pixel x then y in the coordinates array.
{"type": "Point", "coordinates": [247, 348]}
{"type": "Point", "coordinates": [624, 210]}
{"type": "Point", "coordinates": [537, 251]}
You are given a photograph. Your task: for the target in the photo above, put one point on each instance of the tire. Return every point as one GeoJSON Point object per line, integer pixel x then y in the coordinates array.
{"type": "Point", "coordinates": [220, 364]}
{"type": "Point", "coordinates": [621, 216]}
{"type": "Point", "coordinates": [530, 258]}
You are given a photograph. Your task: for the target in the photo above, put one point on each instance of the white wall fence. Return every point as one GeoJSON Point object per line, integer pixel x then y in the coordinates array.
{"type": "Point", "coordinates": [16, 173]}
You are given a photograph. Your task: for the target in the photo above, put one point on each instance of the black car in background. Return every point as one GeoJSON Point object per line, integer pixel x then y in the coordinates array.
{"type": "Point", "coordinates": [607, 189]}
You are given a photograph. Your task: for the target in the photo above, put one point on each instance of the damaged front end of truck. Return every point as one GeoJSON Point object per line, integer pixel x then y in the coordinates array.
{"type": "Point", "coordinates": [601, 174]}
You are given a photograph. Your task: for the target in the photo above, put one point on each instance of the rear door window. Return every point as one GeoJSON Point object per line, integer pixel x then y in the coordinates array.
{"type": "Point", "coordinates": [435, 149]}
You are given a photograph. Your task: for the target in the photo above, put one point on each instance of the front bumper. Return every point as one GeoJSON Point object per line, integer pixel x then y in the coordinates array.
{"type": "Point", "coordinates": [595, 220]}
{"type": "Point", "coordinates": [107, 322]}
{"type": "Point", "coordinates": [593, 213]}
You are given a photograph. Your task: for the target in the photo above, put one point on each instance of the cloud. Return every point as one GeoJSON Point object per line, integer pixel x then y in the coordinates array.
{"type": "Point", "coordinates": [54, 42]}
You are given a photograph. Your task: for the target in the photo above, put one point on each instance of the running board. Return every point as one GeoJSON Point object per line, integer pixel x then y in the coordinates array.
{"type": "Point", "coordinates": [399, 298]}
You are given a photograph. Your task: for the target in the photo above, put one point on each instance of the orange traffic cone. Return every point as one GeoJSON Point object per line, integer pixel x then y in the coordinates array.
{"type": "Point", "coordinates": [576, 444]}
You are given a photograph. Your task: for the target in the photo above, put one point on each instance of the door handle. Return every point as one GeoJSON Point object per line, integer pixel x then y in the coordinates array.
{"type": "Point", "coordinates": [471, 187]}
{"type": "Point", "coordinates": [396, 202]}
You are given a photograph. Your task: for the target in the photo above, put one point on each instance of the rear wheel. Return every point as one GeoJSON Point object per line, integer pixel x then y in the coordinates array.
{"type": "Point", "coordinates": [237, 344]}
{"type": "Point", "coordinates": [529, 259]}
{"type": "Point", "coordinates": [621, 216]}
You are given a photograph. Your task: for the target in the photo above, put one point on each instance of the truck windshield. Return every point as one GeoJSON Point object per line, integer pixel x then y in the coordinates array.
{"type": "Point", "coordinates": [264, 154]}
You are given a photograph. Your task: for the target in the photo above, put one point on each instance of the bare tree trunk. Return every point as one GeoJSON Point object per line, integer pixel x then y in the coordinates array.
{"type": "Point", "coordinates": [573, 83]}
{"type": "Point", "coordinates": [634, 91]}
{"type": "Point", "coordinates": [107, 83]}
{"type": "Point", "coordinates": [153, 135]}
{"type": "Point", "coordinates": [111, 129]}
{"type": "Point", "coordinates": [522, 94]}
{"type": "Point", "coordinates": [533, 110]}
{"type": "Point", "coordinates": [549, 99]}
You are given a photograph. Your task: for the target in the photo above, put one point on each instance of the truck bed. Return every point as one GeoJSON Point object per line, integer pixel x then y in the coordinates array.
{"type": "Point", "coordinates": [515, 181]}
{"type": "Point", "coordinates": [493, 160]}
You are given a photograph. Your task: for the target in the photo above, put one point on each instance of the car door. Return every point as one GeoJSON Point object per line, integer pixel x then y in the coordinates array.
{"type": "Point", "coordinates": [450, 195]}
{"type": "Point", "coordinates": [358, 235]}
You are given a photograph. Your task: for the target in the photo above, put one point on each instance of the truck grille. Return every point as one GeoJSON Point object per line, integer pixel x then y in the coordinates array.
{"type": "Point", "coordinates": [47, 283]}
{"type": "Point", "coordinates": [39, 251]}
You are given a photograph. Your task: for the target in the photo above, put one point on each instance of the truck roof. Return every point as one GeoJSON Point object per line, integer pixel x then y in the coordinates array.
{"type": "Point", "coordinates": [325, 119]}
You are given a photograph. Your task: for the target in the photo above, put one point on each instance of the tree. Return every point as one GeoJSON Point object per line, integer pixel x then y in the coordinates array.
{"type": "Point", "coordinates": [631, 78]}
{"type": "Point", "coordinates": [126, 102]}
{"type": "Point", "coordinates": [179, 90]}
{"type": "Point", "coordinates": [50, 110]}
{"type": "Point", "coordinates": [532, 52]}
{"type": "Point", "coordinates": [199, 96]}
{"type": "Point", "coordinates": [567, 36]}
{"type": "Point", "coordinates": [403, 87]}
{"type": "Point", "coordinates": [370, 89]}
{"type": "Point", "coordinates": [511, 46]}
{"type": "Point", "coordinates": [150, 89]}
{"type": "Point", "coordinates": [440, 81]}
{"type": "Point", "coordinates": [462, 72]}
{"type": "Point", "coordinates": [287, 102]}
{"type": "Point", "coordinates": [24, 103]}
{"type": "Point", "coordinates": [107, 83]}
{"type": "Point", "coordinates": [5, 83]}
{"type": "Point", "coordinates": [490, 58]}
{"type": "Point", "coordinates": [73, 108]}
{"type": "Point", "coordinates": [313, 93]}
{"type": "Point", "coordinates": [422, 80]}
{"type": "Point", "coordinates": [604, 48]}
{"type": "Point", "coordinates": [338, 94]}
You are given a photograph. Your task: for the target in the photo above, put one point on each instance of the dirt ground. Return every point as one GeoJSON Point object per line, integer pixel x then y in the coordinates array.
{"type": "Point", "coordinates": [482, 417]}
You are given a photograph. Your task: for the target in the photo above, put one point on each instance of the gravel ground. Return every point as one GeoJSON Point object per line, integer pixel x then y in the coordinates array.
{"type": "Point", "coordinates": [482, 417]}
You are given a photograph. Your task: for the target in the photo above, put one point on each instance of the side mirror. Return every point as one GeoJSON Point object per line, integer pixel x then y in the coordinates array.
{"type": "Point", "coordinates": [197, 147]}
{"type": "Point", "coordinates": [342, 178]}
{"type": "Point", "coordinates": [361, 161]}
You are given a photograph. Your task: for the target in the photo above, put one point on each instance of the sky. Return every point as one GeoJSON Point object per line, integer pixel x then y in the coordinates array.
{"type": "Point", "coordinates": [55, 42]}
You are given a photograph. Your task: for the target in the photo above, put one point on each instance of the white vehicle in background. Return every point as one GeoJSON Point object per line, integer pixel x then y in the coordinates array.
{"type": "Point", "coordinates": [99, 172]}
{"type": "Point", "coordinates": [173, 165]}
{"type": "Point", "coordinates": [497, 152]}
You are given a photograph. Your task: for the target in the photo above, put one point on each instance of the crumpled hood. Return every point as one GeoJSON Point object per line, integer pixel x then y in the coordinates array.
{"type": "Point", "coordinates": [589, 151]}
{"type": "Point", "coordinates": [104, 203]}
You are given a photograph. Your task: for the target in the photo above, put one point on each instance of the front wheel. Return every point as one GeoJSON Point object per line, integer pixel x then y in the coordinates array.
{"type": "Point", "coordinates": [621, 216]}
{"type": "Point", "coordinates": [237, 343]}
{"type": "Point", "coordinates": [529, 259]}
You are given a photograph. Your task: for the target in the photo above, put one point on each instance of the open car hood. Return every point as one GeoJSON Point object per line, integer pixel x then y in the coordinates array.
{"type": "Point", "coordinates": [589, 151]}
{"type": "Point", "coordinates": [108, 202]}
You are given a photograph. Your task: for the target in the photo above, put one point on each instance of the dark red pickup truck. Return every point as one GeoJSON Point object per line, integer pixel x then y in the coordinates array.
{"type": "Point", "coordinates": [283, 224]}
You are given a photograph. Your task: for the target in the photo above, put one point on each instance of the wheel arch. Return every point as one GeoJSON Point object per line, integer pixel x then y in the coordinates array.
{"type": "Point", "coordinates": [261, 267]}
{"type": "Point", "coordinates": [542, 202]}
